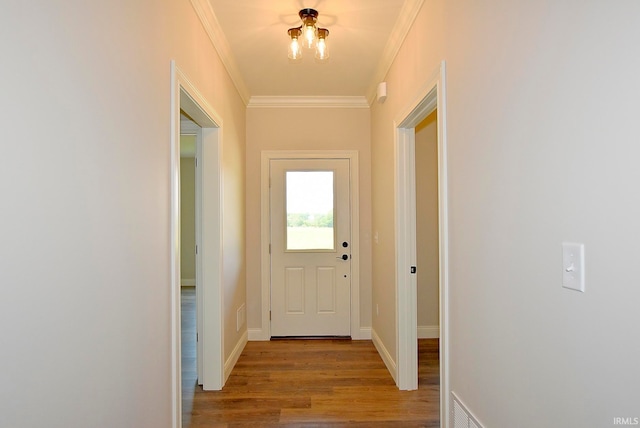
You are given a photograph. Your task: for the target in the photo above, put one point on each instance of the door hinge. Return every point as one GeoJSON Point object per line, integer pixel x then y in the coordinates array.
{"type": "Point", "coordinates": [269, 315]}
{"type": "Point", "coordinates": [197, 338]}
{"type": "Point", "coordinates": [196, 249]}
{"type": "Point", "coordinates": [269, 248]}
{"type": "Point", "coordinates": [414, 269]}
{"type": "Point", "coordinates": [196, 162]}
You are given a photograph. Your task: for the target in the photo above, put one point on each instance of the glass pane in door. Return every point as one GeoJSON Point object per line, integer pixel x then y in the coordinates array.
{"type": "Point", "coordinates": [310, 210]}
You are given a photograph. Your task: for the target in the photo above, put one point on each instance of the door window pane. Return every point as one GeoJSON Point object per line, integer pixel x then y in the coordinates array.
{"type": "Point", "coordinates": [310, 209]}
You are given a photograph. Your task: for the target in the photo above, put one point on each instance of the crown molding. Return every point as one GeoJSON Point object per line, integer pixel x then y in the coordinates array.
{"type": "Point", "coordinates": [308, 102]}
{"type": "Point", "coordinates": [405, 20]}
{"type": "Point", "coordinates": [401, 28]}
{"type": "Point", "coordinates": [212, 27]}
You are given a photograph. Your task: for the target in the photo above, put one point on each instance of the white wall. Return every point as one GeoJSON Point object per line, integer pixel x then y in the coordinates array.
{"type": "Point", "coordinates": [85, 185]}
{"type": "Point", "coordinates": [543, 147]}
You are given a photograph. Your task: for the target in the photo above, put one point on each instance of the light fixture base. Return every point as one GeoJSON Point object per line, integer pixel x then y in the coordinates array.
{"type": "Point", "coordinates": [308, 13]}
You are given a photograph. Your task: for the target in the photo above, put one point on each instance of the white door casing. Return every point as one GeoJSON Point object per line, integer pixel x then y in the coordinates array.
{"type": "Point", "coordinates": [186, 97]}
{"type": "Point", "coordinates": [431, 96]}
{"type": "Point", "coordinates": [310, 266]}
{"type": "Point", "coordinates": [263, 332]}
{"type": "Point", "coordinates": [188, 127]}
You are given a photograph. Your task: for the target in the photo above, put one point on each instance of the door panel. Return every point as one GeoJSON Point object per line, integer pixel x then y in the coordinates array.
{"type": "Point", "coordinates": [294, 289]}
{"type": "Point", "coordinates": [310, 279]}
{"type": "Point", "coordinates": [326, 298]}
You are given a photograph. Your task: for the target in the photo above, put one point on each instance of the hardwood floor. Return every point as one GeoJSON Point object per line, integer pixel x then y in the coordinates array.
{"type": "Point", "coordinates": [310, 383]}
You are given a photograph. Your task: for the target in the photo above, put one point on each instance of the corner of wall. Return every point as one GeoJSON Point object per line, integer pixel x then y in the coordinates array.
{"type": "Point", "coordinates": [385, 355]}
{"type": "Point", "coordinates": [364, 333]}
{"type": "Point", "coordinates": [257, 335]}
{"type": "Point", "coordinates": [235, 354]}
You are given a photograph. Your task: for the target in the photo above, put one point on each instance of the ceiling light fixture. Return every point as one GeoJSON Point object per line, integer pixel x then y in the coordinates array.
{"type": "Point", "coordinates": [308, 35]}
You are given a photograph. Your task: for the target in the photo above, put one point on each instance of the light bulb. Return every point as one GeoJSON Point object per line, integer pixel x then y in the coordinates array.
{"type": "Point", "coordinates": [322, 52]}
{"type": "Point", "coordinates": [309, 33]}
{"type": "Point", "coordinates": [295, 50]}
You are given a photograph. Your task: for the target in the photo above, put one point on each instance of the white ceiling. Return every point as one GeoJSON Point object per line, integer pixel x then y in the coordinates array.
{"type": "Point", "coordinates": [251, 37]}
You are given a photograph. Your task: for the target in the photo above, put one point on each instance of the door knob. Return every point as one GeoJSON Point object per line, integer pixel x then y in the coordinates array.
{"type": "Point", "coordinates": [343, 257]}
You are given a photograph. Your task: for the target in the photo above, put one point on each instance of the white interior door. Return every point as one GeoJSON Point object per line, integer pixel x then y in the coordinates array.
{"type": "Point", "coordinates": [310, 247]}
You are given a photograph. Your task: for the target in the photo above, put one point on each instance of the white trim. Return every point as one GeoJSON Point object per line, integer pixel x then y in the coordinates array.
{"type": "Point", "coordinates": [235, 354]}
{"type": "Point", "coordinates": [385, 355]}
{"type": "Point", "coordinates": [443, 202]}
{"type": "Point", "coordinates": [188, 282]}
{"type": "Point", "coordinates": [256, 335]}
{"type": "Point", "coordinates": [428, 332]}
{"type": "Point", "coordinates": [308, 102]}
{"type": "Point", "coordinates": [432, 95]}
{"type": "Point", "coordinates": [188, 127]}
{"type": "Point", "coordinates": [406, 17]}
{"type": "Point", "coordinates": [176, 365]}
{"type": "Point", "coordinates": [408, 14]}
{"type": "Point", "coordinates": [365, 334]}
{"type": "Point", "coordinates": [265, 265]}
{"type": "Point", "coordinates": [211, 252]}
{"type": "Point", "coordinates": [212, 27]}
{"type": "Point", "coordinates": [406, 282]}
{"type": "Point", "coordinates": [186, 97]}
{"type": "Point", "coordinates": [199, 267]}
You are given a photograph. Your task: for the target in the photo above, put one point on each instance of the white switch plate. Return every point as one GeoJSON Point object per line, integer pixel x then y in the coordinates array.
{"type": "Point", "coordinates": [573, 266]}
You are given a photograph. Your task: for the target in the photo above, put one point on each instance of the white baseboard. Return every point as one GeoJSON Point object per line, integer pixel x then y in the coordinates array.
{"type": "Point", "coordinates": [188, 282]}
{"type": "Point", "coordinates": [363, 334]}
{"type": "Point", "coordinates": [429, 332]}
{"type": "Point", "coordinates": [385, 355]}
{"type": "Point", "coordinates": [257, 335]}
{"type": "Point", "coordinates": [233, 358]}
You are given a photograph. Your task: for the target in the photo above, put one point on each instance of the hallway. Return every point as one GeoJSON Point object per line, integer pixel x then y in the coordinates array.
{"type": "Point", "coordinates": [308, 382]}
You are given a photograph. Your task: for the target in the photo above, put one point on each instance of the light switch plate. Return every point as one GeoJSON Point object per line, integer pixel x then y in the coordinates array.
{"type": "Point", "coordinates": [573, 266]}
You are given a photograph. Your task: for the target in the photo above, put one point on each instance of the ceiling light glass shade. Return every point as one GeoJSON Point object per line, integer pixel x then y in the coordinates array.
{"type": "Point", "coordinates": [322, 51]}
{"type": "Point", "coordinates": [295, 49]}
{"type": "Point", "coordinates": [309, 18]}
{"type": "Point", "coordinates": [309, 35]}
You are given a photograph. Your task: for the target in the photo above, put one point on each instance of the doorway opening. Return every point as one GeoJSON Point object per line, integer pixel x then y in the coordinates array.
{"type": "Point", "coordinates": [187, 102]}
{"type": "Point", "coordinates": [191, 365]}
{"type": "Point", "coordinates": [351, 157]}
{"type": "Point", "coordinates": [430, 98]}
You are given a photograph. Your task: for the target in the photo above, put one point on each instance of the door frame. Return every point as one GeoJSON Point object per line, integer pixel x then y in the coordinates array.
{"type": "Point", "coordinates": [265, 234]}
{"type": "Point", "coordinates": [186, 97]}
{"type": "Point", "coordinates": [430, 97]}
{"type": "Point", "coordinates": [191, 128]}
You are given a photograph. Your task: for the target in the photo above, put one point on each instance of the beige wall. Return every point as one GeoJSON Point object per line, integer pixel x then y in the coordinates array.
{"type": "Point", "coordinates": [187, 214]}
{"type": "Point", "coordinates": [414, 64]}
{"type": "Point", "coordinates": [233, 227]}
{"type": "Point", "coordinates": [542, 138]}
{"type": "Point", "coordinates": [89, 326]}
{"type": "Point", "coordinates": [427, 221]}
{"type": "Point", "coordinates": [306, 129]}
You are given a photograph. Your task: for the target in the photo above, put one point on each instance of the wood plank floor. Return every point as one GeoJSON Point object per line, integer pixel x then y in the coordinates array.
{"type": "Point", "coordinates": [310, 383]}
